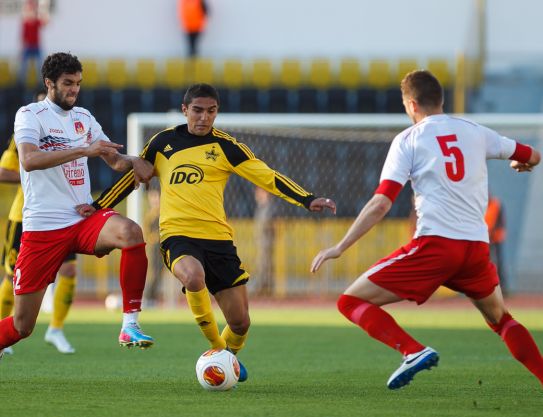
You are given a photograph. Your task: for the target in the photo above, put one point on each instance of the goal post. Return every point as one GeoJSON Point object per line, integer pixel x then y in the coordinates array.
{"type": "Point", "coordinates": [341, 156]}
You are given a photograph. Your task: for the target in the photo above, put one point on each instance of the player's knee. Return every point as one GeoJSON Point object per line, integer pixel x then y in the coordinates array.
{"type": "Point", "coordinates": [241, 326]}
{"type": "Point", "coordinates": [130, 233]}
{"type": "Point", "coordinates": [500, 322]}
{"type": "Point", "coordinates": [346, 304]}
{"type": "Point", "coordinates": [24, 329]}
{"type": "Point", "coordinates": [194, 280]}
{"type": "Point", "coordinates": [68, 269]}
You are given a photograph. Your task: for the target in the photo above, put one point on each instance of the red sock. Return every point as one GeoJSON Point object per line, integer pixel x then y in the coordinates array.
{"type": "Point", "coordinates": [133, 274]}
{"type": "Point", "coordinates": [520, 343]}
{"type": "Point", "coordinates": [378, 324]}
{"type": "Point", "coordinates": [8, 334]}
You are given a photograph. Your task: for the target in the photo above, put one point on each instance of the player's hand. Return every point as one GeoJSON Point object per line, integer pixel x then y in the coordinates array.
{"type": "Point", "coordinates": [321, 203]}
{"type": "Point", "coordinates": [102, 148]}
{"type": "Point", "coordinates": [521, 166]}
{"type": "Point", "coordinates": [323, 255]}
{"type": "Point", "coordinates": [143, 171]}
{"type": "Point", "coordinates": [85, 210]}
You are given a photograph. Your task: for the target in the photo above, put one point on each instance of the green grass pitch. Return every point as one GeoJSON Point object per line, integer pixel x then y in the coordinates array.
{"type": "Point", "coordinates": [301, 362]}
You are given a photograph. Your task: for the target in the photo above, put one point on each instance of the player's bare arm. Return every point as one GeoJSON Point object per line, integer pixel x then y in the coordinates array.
{"type": "Point", "coordinates": [372, 213]}
{"type": "Point", "coordinates": [32, 158]}
{"type": "Point", "coordinates": [534, 160]}
{"type": "Point", "coordinates": [7, 175]}
{"type": "Point", "coordinates": [143, 170]}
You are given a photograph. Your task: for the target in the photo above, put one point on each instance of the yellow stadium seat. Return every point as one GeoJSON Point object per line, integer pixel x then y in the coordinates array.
{"type": "Point", "coordinates": [290, 74]}
{"type": "Point", "coordinates": [379, 74]}
{"type": "Point", "coordinates": [440, 68]}
{"type": "Point", "coordinates": [261, 75]}
{"type": "Point", "coordinates": [176, 73]}
{"type": "Point", "coordinates": [320, 74]}
{"type": "Point", "coordinates": [6, 77]}
{"type": "Point", "coordinates": [350, 73]}
{"type": "Point", "coordinates": [91, 74]}
{"type": "Point", "coordinates": [404, 67]}
{"type": "Point", "coordinates": [232, 73]}
{"type": "Point", "coordinates": [146, 74]}
{"type": "Point", "coordinates": [116, 74]}
{"type": "Point", "coordinates": [202, 70]}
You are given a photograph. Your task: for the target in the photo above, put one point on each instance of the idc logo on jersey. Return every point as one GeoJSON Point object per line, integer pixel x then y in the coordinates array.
{"type": "Point", "coordinates": [187, 173]}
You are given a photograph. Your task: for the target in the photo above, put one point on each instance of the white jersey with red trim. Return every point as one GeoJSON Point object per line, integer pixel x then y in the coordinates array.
{"type": "Point", "coordinates": [445, 159]}
{"type": "Point", "coordinates": [50, 195]}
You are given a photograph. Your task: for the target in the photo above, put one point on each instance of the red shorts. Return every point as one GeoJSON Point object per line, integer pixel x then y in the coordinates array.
{"type": "Point", "coordinates": [43, 252]}
{"type": "Point", "coordinates": [417, 269]}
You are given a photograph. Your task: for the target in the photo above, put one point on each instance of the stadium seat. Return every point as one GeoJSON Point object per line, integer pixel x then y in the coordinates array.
{"type": "Point", "coordinates": [176, 73]}
{"type": "Point", "coordinates": [290, 74]}
{"type": "Point", "coordinates": [116, 74]}
{"type": "Point", "coordinates": [379, 74]}
{"type": "Point", "coordinates": [145, 74]}
{"type": "Point", "coordinates": [6, 76]}
{"type": "Point", "coordinates": [232, 80]}
{"type": "Point", "coordinates": [343, 96]}
{"type": "Point", "coordinates": [254, 95]}
{"type": "Point", "coordinates": [284, 96]}
{"type": "Point", "coordinates": [404, 66]}
{"type": "Point", "coordinates": [440, 68]}
{"type": "Point", "coordinates": [201, 70]}
{"type": "Point", "coordinates": [314, 94]}
{"type": "Point", "coordinates": [91, 73]}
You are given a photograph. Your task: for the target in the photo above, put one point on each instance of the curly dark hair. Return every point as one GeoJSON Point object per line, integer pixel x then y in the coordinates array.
{"type": "Point", "coordinates": [60, 63]}
{"type": "Point", "coordinates": [200, 90]}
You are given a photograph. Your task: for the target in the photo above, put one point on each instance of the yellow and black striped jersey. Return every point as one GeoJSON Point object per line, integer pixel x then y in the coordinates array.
{"type": "Point", "coordinates": [193, 172]}
{"type": "Point", "coordinates": [10, 161]}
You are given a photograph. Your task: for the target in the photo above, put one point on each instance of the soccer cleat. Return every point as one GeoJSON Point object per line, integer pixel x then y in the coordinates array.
{"type": "Point", "coordinates": [1, 353]}
{"type": "Point", "coordinates": [411, 365]}
{"type": "Point", "coordinates": [132, 335]}
{"type": "Point", "coordinates": [243, 374]}
{"type": "Point", "coordinates": [56, 338]}
{"type": "Point", "coordinates": [8, 351]}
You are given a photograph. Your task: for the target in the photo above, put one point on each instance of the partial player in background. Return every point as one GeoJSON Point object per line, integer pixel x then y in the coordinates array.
{"type": "Point", "coordinates": [444, 157]}
{"type": "Point", "coordinates": [54, 140]}
{"type": "Point", "coordinates": [193, 162]}
{"type": "Point", "coordinates": [497, 232]}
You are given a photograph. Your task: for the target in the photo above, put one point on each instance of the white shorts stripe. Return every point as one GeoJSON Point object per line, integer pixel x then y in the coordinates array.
{"type": "Point", "coordinates": [388, 262]}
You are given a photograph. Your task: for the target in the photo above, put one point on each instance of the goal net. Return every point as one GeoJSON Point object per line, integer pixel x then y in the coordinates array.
{"type": "Point", "coordinates": [341, 156]}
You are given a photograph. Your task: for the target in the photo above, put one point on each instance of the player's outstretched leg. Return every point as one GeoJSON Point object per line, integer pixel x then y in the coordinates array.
{"type": "Point", "coordinates": [520, 343]}
{"type": "Point", "coordinates": [381, 326]}
{"type": "Point", "coordinates": [411, 365]}
{"type": "Point", "coordinates": [132, 277]}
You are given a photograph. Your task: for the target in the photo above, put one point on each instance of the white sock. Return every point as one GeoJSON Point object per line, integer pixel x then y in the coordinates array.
{"type": "Point", "coordinates": [130, 318]}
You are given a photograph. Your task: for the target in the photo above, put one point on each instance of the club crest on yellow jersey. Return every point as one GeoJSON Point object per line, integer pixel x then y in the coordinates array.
{"type": "Point", "coordinates": [212, 154]}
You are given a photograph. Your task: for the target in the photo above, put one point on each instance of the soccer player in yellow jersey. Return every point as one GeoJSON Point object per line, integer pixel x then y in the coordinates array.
{"type": "Point", "coordinates": [193, 162]}
{"type": "Point", "coordinates": [65, 283]}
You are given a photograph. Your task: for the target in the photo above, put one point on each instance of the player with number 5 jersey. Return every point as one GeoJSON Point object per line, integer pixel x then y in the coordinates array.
{"type": "Point", "coordinates": [444, 157]}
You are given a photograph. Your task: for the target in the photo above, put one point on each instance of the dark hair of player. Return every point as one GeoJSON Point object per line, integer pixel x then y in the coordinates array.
{"type": "Point", "coordinates": [60, 63]}
{"type": "Point", "coordinates": [200, 90]}
{"type": "Point", "coordinates": [424, 88]}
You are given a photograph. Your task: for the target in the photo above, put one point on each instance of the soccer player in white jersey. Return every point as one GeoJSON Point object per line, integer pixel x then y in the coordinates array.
{"type": "Point", "coordinates": [54, 140]}
{"type": "Point", "coordinates": [444, 157]}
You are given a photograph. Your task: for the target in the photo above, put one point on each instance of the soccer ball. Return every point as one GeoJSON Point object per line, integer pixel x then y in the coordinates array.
{"type": "Point", "coordinates": [217, 370]}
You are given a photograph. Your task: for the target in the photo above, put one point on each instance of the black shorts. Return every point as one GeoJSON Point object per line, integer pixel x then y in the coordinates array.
{"type": "Point", "coordinates": [12, 244]}
{"type": "Point", "coordinates": [222, 266]}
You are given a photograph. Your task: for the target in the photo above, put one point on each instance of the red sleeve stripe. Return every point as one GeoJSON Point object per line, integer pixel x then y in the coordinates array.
{"type": "Point", "coordinates": [389, 188]}
{"type": "Point", "coordinates": [522, 153]}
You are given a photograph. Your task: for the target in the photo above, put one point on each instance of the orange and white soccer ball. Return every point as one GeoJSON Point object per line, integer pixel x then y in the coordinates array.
{"type": "Point", "coordinates": [217, 370]}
